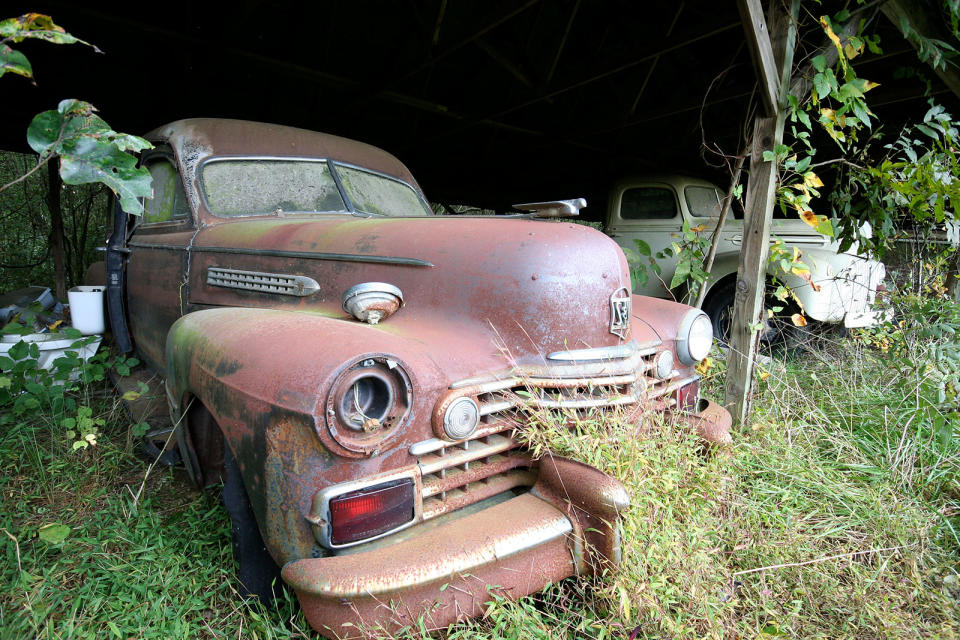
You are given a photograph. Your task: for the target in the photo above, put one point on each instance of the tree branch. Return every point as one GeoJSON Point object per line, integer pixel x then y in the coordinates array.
{"type": "Point", "coordinates": [40, 163]}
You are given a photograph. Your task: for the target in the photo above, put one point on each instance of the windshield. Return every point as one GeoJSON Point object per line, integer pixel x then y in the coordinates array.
{"type": "Point", "coordinates": [263, 186]}
{"type": "Point", "coordinates": [257, 187]}
{"type": "Point", "coordinates": [374, 193]}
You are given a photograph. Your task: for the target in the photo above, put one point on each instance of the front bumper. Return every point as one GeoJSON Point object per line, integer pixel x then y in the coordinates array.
{"type": "Point", "coordinates": [565, 525]}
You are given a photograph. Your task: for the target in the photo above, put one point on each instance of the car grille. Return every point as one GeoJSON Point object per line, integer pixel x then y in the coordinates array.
{"type": "Point", "coordinates": [456, 474]}
{"type": "Point", "coordinates": [460, 474]}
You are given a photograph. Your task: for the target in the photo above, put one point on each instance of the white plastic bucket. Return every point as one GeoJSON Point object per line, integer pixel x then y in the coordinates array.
{"type": "Point", "coordinates": [86, 309]}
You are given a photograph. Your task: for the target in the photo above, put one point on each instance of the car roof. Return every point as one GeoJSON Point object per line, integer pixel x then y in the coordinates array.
{"type": "Point", "coordinates": [218, 137]}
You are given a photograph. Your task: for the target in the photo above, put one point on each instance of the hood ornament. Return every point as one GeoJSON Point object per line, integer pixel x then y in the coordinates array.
{"type": "Point", "coordinates": [553, 209]}
{"type": "Point", "coordinates": [620, 312]}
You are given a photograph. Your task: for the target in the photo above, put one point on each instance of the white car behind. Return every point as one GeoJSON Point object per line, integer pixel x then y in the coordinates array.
{"type": "Point", "coordinates": [842, 286]}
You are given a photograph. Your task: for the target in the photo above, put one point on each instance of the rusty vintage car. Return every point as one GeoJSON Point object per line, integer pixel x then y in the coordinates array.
{"type": "Point", "coordinates": [353, 368]}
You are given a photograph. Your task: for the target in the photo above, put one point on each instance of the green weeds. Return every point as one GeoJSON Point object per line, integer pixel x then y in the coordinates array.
{"type": "Point", "coordinates": [834, 515]}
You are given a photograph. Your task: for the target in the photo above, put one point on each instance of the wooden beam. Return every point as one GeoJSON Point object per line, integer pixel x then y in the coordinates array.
{"type": "Point", "coordinates": [504, 62]}
{"type": "Point", "coordinates": [600, 76]}
{"type": "Point", "coordinates": [436, 27]}
{"type": "Point", "coordinates": [563, 43]}
{"type": "Point", "coordinates": [454, 47]}
{"type": "Point", "coordinates": [908, 13]}
{"type": "Point", "coordinates": [653, 63]}
{"type": "Point", "coordinates": [761, 50]}
{"type": "Point", "coordinates": [747, 317]}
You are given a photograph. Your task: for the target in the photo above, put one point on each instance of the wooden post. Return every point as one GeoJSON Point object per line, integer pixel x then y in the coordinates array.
{"type": "Point", "coordinates": [747, 316]}
{"type": "Point", "coordinates": [773, 60]}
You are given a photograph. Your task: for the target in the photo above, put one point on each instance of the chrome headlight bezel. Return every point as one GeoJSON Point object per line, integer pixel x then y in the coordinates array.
{"type": "Point", "coordinates": [694, 337]}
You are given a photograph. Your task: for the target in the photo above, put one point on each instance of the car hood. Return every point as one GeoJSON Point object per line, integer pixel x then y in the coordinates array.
{"type": "Point", "coordinates": [532, 286]}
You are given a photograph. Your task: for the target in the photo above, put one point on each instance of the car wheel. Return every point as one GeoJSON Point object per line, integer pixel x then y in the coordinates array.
{"type": "Point", "coordinates": [778, 330]}
{"type": "Point", "coordinates": [257, 573]}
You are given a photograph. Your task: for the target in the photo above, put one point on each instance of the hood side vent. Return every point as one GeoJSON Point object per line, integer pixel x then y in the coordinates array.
{"type": "Point", "coordinates": [277, 283]}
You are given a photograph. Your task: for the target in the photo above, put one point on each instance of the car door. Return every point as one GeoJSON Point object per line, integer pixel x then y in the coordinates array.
{"type": "Point", "coordinates": [157, 264]}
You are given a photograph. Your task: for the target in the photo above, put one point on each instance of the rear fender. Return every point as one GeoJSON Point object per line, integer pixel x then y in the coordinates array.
{"type": "Point", "coordinates": [263, 375]}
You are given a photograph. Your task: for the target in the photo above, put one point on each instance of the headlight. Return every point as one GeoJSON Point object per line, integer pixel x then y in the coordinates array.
{"type": "Point", "coordinates": [663, 364]}
{"type": "Point", "coordinates": [367, 403]}
{"type": "Point", "coordinates": [694, 337]}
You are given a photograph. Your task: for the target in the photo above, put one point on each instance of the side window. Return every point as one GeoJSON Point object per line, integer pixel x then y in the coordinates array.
{"type": "Point", "coordinates": [648, 203]}
{"type": "Point", "coordinates": [169, 201]}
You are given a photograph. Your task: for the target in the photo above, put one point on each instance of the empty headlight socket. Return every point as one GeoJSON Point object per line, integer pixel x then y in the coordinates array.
{"type": "Point", "coordinates": [367, 404]}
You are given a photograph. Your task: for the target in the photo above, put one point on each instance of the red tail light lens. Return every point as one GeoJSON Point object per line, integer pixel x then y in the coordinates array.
{"type": "Point", "coordinates": [688, 396]}
{"type": "Point", "coordinates": [370, 511]}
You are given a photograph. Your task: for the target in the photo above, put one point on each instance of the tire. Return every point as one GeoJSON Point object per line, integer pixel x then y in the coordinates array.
{"type": "Point", "coordinates": [779, 330]}
{"type": "Point", "coordinates": [257, 573]}
{"type": "Point", "coordinates": [718, 306]}
{"type": "Point", "coordinates": [154, 452]}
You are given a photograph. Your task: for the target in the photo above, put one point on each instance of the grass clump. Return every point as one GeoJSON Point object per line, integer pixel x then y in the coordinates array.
{"type": "Point", "coordinates": [803, 529]}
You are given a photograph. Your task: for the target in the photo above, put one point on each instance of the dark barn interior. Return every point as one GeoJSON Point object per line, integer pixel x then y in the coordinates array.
{"type": "Point", "coordinates": [488, 102]}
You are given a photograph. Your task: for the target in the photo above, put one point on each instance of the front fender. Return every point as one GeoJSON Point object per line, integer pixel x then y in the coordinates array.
{"type": "Point", "coordinates": [263, 375]}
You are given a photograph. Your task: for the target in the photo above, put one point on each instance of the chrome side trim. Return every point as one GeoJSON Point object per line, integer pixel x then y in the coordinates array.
{"type": "Point", "coordinates": [312, 255]}
{"type": "Point", "coordinates": [279, 283]}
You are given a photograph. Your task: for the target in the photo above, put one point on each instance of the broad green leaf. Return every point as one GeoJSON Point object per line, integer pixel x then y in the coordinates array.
{"type": "Point", "coordinates": [43, 134]}
{"type": "Point", "coordinates": [37, 26]}
{"type": "Point", "coordinates": [819, 63]}
{"type": "Point", "coordinates": [643, 247]}
{"type": "Point", "coordinates": [927, 131]}
{"type": "Point", "coordinates": [15, 62]}
{"type": "Point", "coordinates": [14, 328]}
{"type": "Point", "coordinates": [849, 90]}
{"type": "Point", "coordinates": [681, 274]}
{"type": "Point", "coordinates": [19, 351]}
{"type": "Point", "coordinates": [54, 533]}
{"type": "Point", "coordinates": [821, 84]}
{"type": "Point", "coordinates": [825, 226]}
{"type": "Point", "coordinates": [860, 109]}
{"type": "Point", "coordinates": [89, 159]}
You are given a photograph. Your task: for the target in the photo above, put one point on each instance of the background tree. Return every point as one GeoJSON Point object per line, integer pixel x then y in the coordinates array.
{"type": "Point", "coordinates": [87, 148]}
